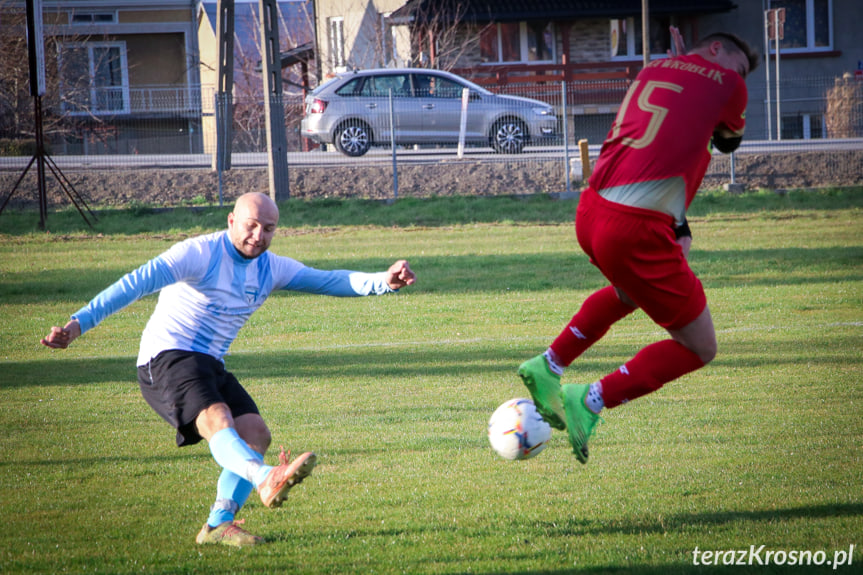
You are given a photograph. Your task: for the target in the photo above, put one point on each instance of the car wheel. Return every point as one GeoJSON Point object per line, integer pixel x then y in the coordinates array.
{"type": "Point", "coordinates": [353, 138]}
{"type": "Point", "coordinates": [509, 136]}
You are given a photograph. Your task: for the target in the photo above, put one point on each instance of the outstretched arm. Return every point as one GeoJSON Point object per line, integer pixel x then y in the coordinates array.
{"type": "Point", "coordinates": [147, 279]}
{"type": "Point", "coordinates": [61, 337]}
{"type": "Point", "coordinates": [347, 283]}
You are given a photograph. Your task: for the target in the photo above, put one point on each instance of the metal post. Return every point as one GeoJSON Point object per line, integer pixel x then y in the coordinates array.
{"type": "Point", "coordinates": [462, 126]}
{"type": "Point", "coordinates": [769, 113]}
{"type": "Point", "coordinates": [584, 150]}
{"type": "Point", "coordinates": [393, 147]}
{"type": "Point", "coordinates": [731, 163]}
{"type": "Point", "coordinates": [40, 163]}
{"type": "Point", "coordinates": [778, 116]}
{"type": "Point", "coordinates": [645, 31]}
{"type": "Point", "coordinates": [565, 138]}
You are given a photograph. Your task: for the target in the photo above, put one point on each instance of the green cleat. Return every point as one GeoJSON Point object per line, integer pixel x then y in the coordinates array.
{"type": "Point", "coordinates": [544, 387]}
{"type": "Point", "coordinates": [580, 420]}
{"type": "Point", "coordinates": [228, 533]}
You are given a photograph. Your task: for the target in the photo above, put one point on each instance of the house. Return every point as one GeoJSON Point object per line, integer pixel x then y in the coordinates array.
{"type": "Point", "coordinates": [820, 45]}
{"type": "Point", "coordinates": [127, 79]}
{"type": "Point", "coordinates": [359, 34]}
{"type": "Point", "coordinates": [138, 77]}
{"type": "Point", "coordinates": [529, 47]}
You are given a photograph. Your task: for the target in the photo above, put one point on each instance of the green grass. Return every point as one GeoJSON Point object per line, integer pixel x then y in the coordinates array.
{"type": "Point", "coordinates": [407, 212]}
{"type": "Point", "coordinates": [762, 447]}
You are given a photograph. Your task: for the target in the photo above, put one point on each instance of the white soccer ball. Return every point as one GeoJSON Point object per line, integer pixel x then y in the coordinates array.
{"type": "Point", "coordinates": [516, 430]}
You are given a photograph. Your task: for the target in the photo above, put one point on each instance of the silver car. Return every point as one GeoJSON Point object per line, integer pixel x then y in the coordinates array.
{"type": "Point", "coordinates": [352, 111]}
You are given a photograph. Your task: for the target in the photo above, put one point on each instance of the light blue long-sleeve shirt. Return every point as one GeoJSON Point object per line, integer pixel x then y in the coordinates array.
{"type": "Point", "coordinates": [208, 291]}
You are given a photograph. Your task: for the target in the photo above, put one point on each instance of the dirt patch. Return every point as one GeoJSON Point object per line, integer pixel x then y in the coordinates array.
{"type": "Point", "coordinates": [171, 187]}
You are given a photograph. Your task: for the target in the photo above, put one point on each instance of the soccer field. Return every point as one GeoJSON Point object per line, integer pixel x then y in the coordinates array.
{"type": "Point", "coordinates": [756, 458]}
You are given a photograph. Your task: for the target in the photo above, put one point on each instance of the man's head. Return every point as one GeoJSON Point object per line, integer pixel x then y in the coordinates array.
{"type": "Point", "coordinates": [252, 224]}
{"type": "Point", "coordinates": [729, 51]}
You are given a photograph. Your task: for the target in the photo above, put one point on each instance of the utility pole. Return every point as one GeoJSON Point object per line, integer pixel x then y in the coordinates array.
{"type": "Point", "coordinates": [224, 104]}
{"type": "Point", "coordinates": [277, 142]}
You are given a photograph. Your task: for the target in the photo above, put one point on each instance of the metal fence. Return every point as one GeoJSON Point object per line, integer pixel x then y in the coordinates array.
{"type": "Point", "coordinates": [818, 143]}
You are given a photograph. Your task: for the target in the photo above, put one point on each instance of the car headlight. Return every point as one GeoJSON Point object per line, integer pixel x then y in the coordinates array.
{"type": "Point", "coordinates": [543, 111]}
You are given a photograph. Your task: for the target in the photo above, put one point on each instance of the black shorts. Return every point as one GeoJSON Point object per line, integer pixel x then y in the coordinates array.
{"type": "Point", "coordinates": [178, 385]}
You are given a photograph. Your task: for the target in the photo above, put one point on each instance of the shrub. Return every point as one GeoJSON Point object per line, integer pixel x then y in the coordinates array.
{"type": "Point", "coordinates": [17, 147]}
{"type": "Point", "coordinates": [845, 108]}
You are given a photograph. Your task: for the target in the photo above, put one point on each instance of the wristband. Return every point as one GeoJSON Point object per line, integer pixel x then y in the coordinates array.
{"type": "Point", "coordinates": [682, 230]}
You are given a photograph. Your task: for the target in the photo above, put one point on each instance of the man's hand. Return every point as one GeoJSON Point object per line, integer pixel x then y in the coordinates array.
{"type": "Point", "coordinates": [678, 46]}
{"type": "Point", "coordinates": [61, 337]}
{"type": "Point", "coordinates": [400, 275]}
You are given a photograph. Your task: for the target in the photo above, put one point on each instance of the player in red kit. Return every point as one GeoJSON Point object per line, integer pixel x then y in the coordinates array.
{"type": "Point", "coordinates": [631, 222]}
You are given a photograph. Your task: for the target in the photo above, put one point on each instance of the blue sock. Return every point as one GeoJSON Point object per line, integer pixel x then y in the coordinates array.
{"type": "Point", "coordinates": [231, 493]}
{"type": "Point", "coordinates": [232, 453]}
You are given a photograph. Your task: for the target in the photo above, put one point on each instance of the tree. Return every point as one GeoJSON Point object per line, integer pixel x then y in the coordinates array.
{"type": "Point", "coordinates": [17, 121]}
{"type": "Point", "coordinates": [442, 33]}
{"type": "Point", "coordinates": [249, 119]}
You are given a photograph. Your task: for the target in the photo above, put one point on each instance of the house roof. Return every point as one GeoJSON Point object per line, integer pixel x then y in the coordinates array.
{"type": "Point", "coordinates": [425, 11]}
{"type": "Point", "coordinates": [302, 53]}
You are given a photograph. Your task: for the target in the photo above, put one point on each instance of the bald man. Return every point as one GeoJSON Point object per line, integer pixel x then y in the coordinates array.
{"type": "Point", "coordinates": [209, 286]}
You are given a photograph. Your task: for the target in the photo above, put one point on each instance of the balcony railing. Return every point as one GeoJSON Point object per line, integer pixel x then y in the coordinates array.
{"type": "Point", "coordinates": [598, 83]}
{"type": "Point", "coordinates": [498, 75]}
{"type": "Point", "coordinates": [137, 101]}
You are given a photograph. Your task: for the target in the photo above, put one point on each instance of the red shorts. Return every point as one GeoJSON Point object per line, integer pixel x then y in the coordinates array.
{"type": "Point", "coordinates": [635, 249]}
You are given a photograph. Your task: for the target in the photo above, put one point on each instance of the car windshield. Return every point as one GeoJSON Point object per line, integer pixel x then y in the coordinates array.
{"type": "Point", "coordinates": [474, 87]}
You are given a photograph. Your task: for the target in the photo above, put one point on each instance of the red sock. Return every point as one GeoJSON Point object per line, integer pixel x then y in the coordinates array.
{"type": "Point", "coordinates": [597, 313]}
{"type": "Point", "coordinates": [650, 369]}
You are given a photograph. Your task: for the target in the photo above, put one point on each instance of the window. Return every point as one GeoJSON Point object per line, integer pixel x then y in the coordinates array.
{"type": "Point", "coordinates": [94, 78]}
{"type": "Point", "coordinates": [431, 86]}
{"type": "Point", "coordinates": [803, 127]}
{"type": "Point", "coordinates": [351, 88]}
{"type": "Point", "coordinates": [517, 42]}
{"type": "Point", "coordinates": [540, 41]}
{"type": "Point", "coordinates": [380, 86]}
{"type": "Point", "coordinates": [93, 18]}
{"type": "Point", "coordinates": [808, 25]}
{"type": "Point", "coordinates": [626, 36]}
{"type": "Point", "coordinates": [337, 44]}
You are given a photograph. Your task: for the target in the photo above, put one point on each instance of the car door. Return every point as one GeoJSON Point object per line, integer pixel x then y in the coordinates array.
{"type": "Point", "coordinates": [440, 102]}
{"type": "Point", "coordinates": [375, 99]}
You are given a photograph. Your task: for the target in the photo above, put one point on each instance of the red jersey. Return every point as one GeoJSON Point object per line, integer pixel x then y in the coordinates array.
{"type": "Point", "coordinates": [660, 139]}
